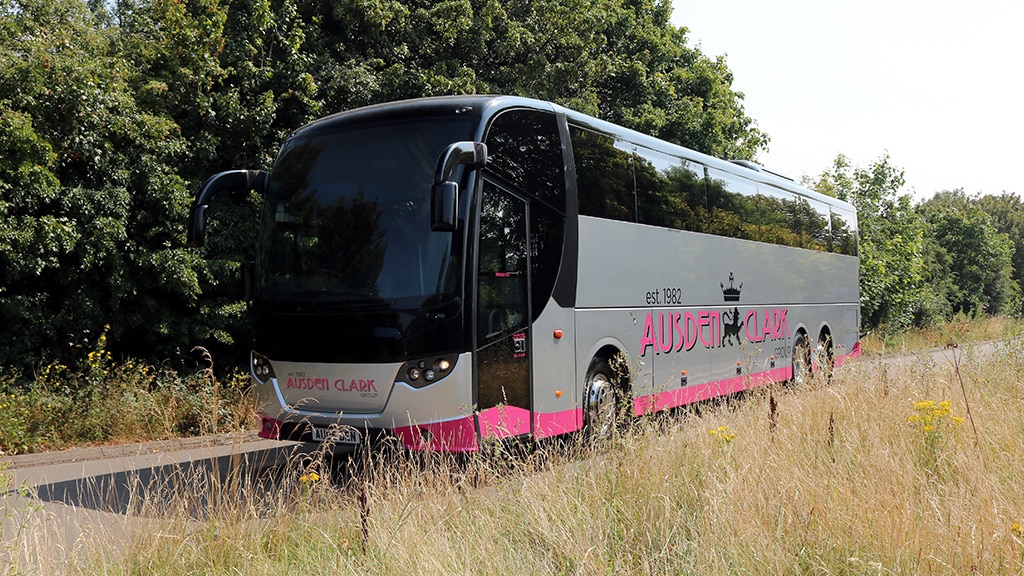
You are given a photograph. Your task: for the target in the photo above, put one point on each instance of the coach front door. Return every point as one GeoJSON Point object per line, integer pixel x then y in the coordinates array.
{"type": "Point", "coordinates": [503, 315]}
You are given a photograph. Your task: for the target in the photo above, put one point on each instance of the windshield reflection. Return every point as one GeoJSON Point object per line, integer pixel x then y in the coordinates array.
{"type": "Point", "coordinates": [347, 220]}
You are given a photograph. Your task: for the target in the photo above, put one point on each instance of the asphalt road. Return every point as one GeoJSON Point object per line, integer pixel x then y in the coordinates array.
{"type": "Point", "coordinates": [90, 500]}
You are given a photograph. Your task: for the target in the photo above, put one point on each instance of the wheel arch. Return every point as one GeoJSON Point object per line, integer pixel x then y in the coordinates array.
{"type": "Point", "coordinates": [825, 334]}
{"type": "Point", "coordinates": [604, 349]}
{"type": "Point", "coordinates": [609, 354]}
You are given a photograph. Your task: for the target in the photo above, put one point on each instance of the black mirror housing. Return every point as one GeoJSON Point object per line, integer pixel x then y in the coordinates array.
{"type": "Point", "coordinates": [444, 205]}
{"type": "Point", "coordinates": [444, 195]}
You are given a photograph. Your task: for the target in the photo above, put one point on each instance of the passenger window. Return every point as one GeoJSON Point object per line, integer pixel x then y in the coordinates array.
{"type": "Point", "coordinates": [732, 206]}
{"type": "Point", "coordinates": [669, 191]}
{"type": "Point", "coordinates": [817, 235]}
{"type": "Point", "coordinates": [524, 148]}
{"type": "Point", "coordinates": [779, 216]}
{"type": "Point", "coordinates": [844, 231]}
{"type": "Point", "coordinates": [604, 175]}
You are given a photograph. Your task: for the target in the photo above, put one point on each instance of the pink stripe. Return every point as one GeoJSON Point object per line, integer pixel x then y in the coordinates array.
{"type": "Point", "coordinates": [690, 394]}
{"type": "Point", "coordinates": [556, 423]}
{"type": "Point", "coordinates": [457, 435]}
{"type": "Point", "coordinates": [855, 353]}
{"type": "Point", "coordinates": [504, 421]}
{"type": "Point", "coordinates": [500, 422]}
{"type": "Point", "coordinates": [270, 428]}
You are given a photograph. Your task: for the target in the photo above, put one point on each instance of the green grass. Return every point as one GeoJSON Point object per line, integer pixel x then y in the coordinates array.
{"type": "Point", "coordinates": [107, 402]}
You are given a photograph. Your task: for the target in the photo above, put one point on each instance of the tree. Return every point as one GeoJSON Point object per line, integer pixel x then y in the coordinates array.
{"type": "Point", "coordinates": [92, 205]}
{"type": "Point", "coordinates": [234, 87]}
{"type": "Point", "coordinates": [113, 114]}
{"type": "Point", "coordinates": [892, 265]}
{"type": "Point", "coordinates": [1007, 213]}
{"type": "Point", "coordinates": [970, 262]}
{"type": "Point", "coordinates": [619, 60]}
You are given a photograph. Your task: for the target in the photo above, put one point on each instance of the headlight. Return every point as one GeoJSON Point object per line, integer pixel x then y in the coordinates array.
{"type": "Point", "coordinates": [262, 370]}
{"type": "Point", "coordinates": [421, 372]}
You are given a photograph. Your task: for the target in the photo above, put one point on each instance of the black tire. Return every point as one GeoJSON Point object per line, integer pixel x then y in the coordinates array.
{"type": "Point", "coordinates": [801, 361]}
{"type": "Point", "coordinates": [826, 358]}
{"type": "Point", "coordinates": [600, 401]}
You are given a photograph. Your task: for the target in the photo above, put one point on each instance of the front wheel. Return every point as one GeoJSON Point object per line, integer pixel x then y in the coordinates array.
{"type": "Point", "coordinates": [600, 410]}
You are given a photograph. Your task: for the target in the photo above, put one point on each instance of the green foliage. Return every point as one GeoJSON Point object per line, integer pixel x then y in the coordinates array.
{"type": "Point", "coordinates": [892, 236]}
{"type": "Point", "coordinates": [921, 265]}
{"type": "Point", "coordinates": [91, 200]}
{"type": "Point", "coordinates": [622, 61]}
{"type": "Point", "coordinates": [105, 401]}
{"type": "Point", "coordinates": [970, 263]}
{"type": "Point", "coordinates": [96, 178]}
{"type": "Point", "coordinates": [113, 114]}
{"type": "Point", "coordinates": [1007, 214]}
{"type": "Point", "coordinates": [15, 415]}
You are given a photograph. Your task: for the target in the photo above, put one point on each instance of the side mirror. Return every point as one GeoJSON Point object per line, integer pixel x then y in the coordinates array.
{"type": "Point", "coordinates": [444, 206]}
{"type": "Point", "coordinates": [233, 180]}
{"type": "Point", "coordinates": [444, 195]}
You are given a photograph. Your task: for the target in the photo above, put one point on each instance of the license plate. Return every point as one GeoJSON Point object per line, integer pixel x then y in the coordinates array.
{"type": "Point", "coordinates": [336, 434]}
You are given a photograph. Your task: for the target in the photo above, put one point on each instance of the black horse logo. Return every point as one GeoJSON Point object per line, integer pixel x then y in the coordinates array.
{"type": "Point", "coordinates": [732, 329]}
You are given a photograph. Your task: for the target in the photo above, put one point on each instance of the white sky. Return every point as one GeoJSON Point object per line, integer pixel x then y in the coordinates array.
{"type": "Point", "coordinates": [936, 84]}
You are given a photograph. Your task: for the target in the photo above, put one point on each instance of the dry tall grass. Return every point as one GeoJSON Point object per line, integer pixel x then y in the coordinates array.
{"type": "Point", "coordinates": [857, 477]}
{"type": "Point", "coordinates": [959, 330]}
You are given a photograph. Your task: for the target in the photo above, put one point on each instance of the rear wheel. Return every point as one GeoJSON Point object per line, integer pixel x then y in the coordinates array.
{"type": "Point", "coordinates": [600, 411]}
{"type": "Point", "coordinates": [801, 360]}
{"type": "Point", "coordinates": [826, 358]}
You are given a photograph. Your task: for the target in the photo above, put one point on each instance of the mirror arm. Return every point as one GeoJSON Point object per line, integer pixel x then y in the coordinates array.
{"type": "Point", "coordinates": [444, 195]}
{"type": "Point", "coordinates": [231, 180]}
{"type": "Point", "coordinates": [472, 153]}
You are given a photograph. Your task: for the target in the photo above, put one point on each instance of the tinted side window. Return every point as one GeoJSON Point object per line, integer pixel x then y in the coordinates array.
{"type": "Point", "coordinates": [779, 216]}
{"type": "Point", "coordinates": [669, 191]}
{"type": "Point", "coordinates": [817, 235]}
{"type": "Point", "coordinates": [844, 231]}
{"type": "Point", "coordinates": [604, 175]}
{"type": "Point", "coordinates": [546, 234]}
{"type": "Point", "coordinates": [810, 219]}
{"type": "Point", "coordinates": [524, 148]}
{"type": "Point", "coordinates": [732, 206]}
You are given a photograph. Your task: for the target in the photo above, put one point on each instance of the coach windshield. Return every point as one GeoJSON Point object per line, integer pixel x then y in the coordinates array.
{"type": "Point", "coordinates": [347, 218]}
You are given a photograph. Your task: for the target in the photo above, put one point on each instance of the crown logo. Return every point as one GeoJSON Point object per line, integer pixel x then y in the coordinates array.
{"type": "Point", "coordinates": [732, 293]}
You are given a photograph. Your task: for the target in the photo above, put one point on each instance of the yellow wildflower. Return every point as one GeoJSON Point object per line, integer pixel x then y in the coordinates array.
{"type": "Point", "coordinates": [929, 414]}
{"type": "Point", "coordinates": [723, 433]}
